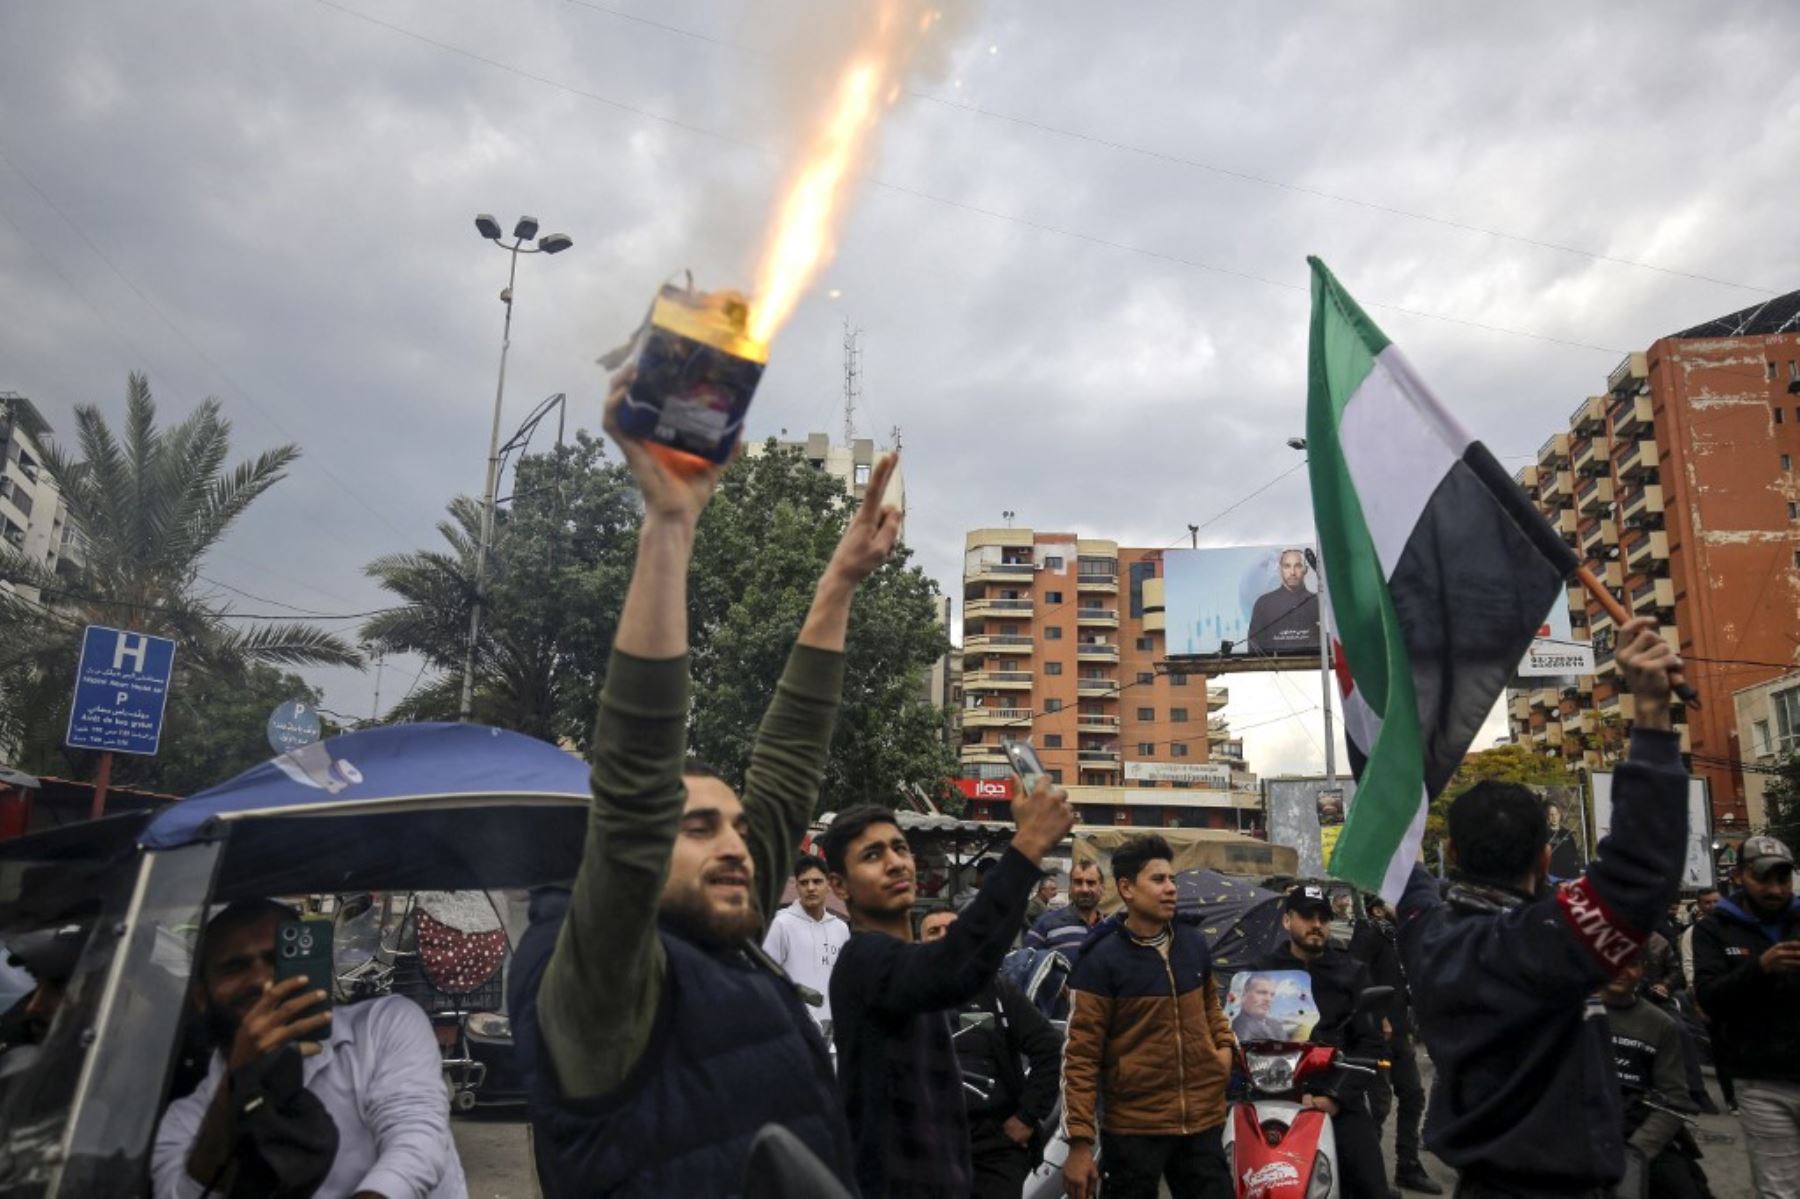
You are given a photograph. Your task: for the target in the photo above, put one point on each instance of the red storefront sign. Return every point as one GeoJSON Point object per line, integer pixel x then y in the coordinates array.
{"type": "Point", "coordinates": [986, 788]}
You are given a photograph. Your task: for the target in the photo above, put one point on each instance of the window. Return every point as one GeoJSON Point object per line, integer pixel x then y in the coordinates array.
{"type": "Point", "coordinates": [1056, 777]}
{"type": "Point", "coordinates": [1146, 713]}
{"type": "Point", "coordinates": [1178, 715]}
{"type": "Point", "coordinates": [1053, 668]}
{"type": "Point", "coordinates": [1053, 597]}
{"type": "Point", "coordinates": [1793, 510]}
{"type": "Point", "coordinates": [1053, 562]}
{"type": "Point", "coordinates": [1787, 462]}
{"type": "Point", "coordinates": [1009, 630]}
{"type": "Point", "coordinates": [1759, 739]}
{"type": "Point", "coordinates": [1771, 372]}
{"type": "Point", "coordinates": [1053, 633]}
{"type": "Point", "coordinates": [1146, 748]}
{"type": "Point", "coordinates": [1052, 740]}
{"type": "Point", "coordinates": [1177, 680]}
{"type": "Point", "coordinates": [1053, 705]}
{"type": "Point", "coordinates": [1794, 370]}
{"type": "Point", "coordinates": [1139, 572]}
{"type": "Point", "coordinates": [1780, 415]}
{"type": "Point", "coordinates": [1178, 749]}
{"type": "Point", "coordinates": [1146, 677]}
{"type": "Point", "coordinates": [1786, 706]}
{"type": "Point", "coordinates": [862, 474]}
{"type": "Point", "coordinates": [1146, 643]}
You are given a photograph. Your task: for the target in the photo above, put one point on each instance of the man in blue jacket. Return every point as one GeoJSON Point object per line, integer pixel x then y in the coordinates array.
{"type": "Point", "coordinates": [1504, 974]}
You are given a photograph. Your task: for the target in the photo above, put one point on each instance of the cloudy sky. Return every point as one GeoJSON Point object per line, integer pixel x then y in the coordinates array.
{"type": "Point", "coordinates": [1077, 260]}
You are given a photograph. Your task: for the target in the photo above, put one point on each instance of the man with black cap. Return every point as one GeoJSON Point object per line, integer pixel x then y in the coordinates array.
{"type": "Point", "coordinates": [49, 955]}
{"type": "Point", "coordinates": [1747, 978]}
{"type": "Point", "coordinates": [1338, 981]}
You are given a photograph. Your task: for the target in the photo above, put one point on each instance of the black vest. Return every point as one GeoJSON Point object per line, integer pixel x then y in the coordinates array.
{"type": "Point", "coordinates": [733, 1049]}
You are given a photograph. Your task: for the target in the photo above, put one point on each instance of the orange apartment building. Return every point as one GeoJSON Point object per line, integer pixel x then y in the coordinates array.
{"type": "Point", "coordinates": [1678, 487]}
{"type": "Point", "coordinates": [1061, 640]}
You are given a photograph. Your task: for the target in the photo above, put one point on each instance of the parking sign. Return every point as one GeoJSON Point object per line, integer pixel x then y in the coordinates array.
{"type": "Point", "coordinates": [121, 688]}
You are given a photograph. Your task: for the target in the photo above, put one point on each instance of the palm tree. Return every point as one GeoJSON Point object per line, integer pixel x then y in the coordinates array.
{"type": "Point", "coordinates": [148, 509]}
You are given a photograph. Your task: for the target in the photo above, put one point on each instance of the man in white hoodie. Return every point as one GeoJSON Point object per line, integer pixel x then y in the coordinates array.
{"type": "Point", "coordinates": [804, 938]}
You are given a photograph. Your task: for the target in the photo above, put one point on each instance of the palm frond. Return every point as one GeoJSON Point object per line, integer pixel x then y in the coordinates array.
{"type": "Point", "coordinates": [289, 644]}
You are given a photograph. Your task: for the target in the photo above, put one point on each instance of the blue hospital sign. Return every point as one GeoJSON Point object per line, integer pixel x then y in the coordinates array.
{"type": "Point", "coordinates": [121, 688]}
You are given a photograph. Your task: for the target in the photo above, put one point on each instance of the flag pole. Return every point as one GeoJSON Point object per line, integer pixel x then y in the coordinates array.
{"type": "Point", "coordinates": [1616, 610]}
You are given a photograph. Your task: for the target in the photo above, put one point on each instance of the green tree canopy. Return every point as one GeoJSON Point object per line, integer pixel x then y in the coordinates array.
{"type": "Point", "coordinates": [1503, 764]}
{"type": "Point", "coordinates": [148, 505]}
{"type": "Point", "coordinates": [558, 570]}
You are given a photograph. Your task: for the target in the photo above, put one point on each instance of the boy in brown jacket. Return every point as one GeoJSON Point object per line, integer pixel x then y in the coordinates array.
{"type": "Point", "coordinates": [1148, 1037]}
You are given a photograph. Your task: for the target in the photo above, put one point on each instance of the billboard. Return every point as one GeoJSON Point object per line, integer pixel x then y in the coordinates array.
{"type": "Point", "coordinates": [1212, 775]}
{"type": "Point", "coordinates": [1554, 652]}
{"type": "Point", "coordinates": [1247, 601]}
{"type": "Point", "coordinates": [986, 788]}
{"type": "Point", "coordinates": [1297, 811]}
{"type": "Point", "coordinates": [1698, 870]}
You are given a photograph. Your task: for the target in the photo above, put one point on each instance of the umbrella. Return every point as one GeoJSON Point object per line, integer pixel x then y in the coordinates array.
{"type": "Point", "coordinates": [1239, 919]}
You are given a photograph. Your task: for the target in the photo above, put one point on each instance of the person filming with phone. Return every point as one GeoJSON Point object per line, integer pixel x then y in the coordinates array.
{"type": "Point", "coordinates": [303, 1098]}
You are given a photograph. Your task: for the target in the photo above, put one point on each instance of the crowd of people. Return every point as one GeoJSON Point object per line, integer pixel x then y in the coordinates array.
{"type": "Point", "coordinates": [668, 1011]}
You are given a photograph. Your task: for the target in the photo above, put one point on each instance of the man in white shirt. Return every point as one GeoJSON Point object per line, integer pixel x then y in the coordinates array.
{"type": "Point", "coordinates": [374, 1067]}
{"type": "Point", "coordinates": [804, 938]}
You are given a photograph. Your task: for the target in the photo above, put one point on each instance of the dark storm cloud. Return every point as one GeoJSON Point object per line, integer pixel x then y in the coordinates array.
{"type": "Point", "coordinates": [291, 188]}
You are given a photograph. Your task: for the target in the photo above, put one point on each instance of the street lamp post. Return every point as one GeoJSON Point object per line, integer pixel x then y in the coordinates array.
{"type": "Point", "coordinates": [1331, 779]}
{"type": "Point", "coordinates": [553, 243]}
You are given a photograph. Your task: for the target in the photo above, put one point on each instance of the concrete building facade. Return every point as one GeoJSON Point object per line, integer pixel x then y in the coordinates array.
{"type": "Point", "coordinates": [1062, 641]}
{"type": "Point", "coordinates": [34, 519]}
{"type": "Point", "coordinates": [1677, 486]}
{"type": "Point", "coordinates": [1768, 731]}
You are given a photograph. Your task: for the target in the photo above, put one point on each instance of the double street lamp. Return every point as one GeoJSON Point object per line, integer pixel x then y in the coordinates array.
{"type": "Point", "coordinates": [552, 243]}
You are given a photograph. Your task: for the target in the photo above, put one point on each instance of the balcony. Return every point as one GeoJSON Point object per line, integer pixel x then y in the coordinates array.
{"type": "Point", "coordinates": [1218, 726]}
{"type": "Point", "coordinates": [1519, 706]}
{"type": "Point", "coordinates": [1100, 618]}
{"type": "Point", "coordinates": [979, 718]}
{"type": "Point", "coordinates": [1556, 487]}
{"type": "Point", "coordinates": [1635, 458]}
{"type": "Point", "coordinates": [1589, 416]}
{"type": "Point", "coordinates": [1554, 452]}
{"type": "Point", "coordinates": [1631, 416]}
{"type": "Point", "coordinates": [1093, 722]}
{"type": "Point", "coordinates": [1600, 533]}
{"type": "Point", "coordinates": [1527, 478]}
{"type": "Point", "coordinates": [1564, 522]}
{"type": "Point", "coordinates": [1545, 698]}
{"type": "Point", "coordinates": [983, 609]}
{"type": "Point", "coordinates": [974, 753]}
{"type": "Point", "coordinates": [996, 680]}
{"type": "Point", "coordinates": [1645, 500]}
{"type": "Point", "coordinates": [1098, 759]}
{"type": "Point", "coordinates": [1590, 456]}
{"type": "Point", "coordinates": [1649, 547]}
{"type": "Point", "coordinates": [1001, 572]}
{"type": "Point", "coordinates": [1594, 497]}
{"type": "Point", "coordinates": [1575, 722]}
{"type": "Point", "coordinates": [1108, 583]}
{"type": "Point", "coordinates": [1087, 687]}
{"type": "Point", "coordinates": [996, 643]}
{"type": "Point", "coordinates": [1553, 732]}
{"type": "Point", "coordinates": [1643, 597]}
{"type": "Point", "coordinates": [1092, 651]}
{"type": "Point", "coordinates": [1632, 370]}
{"type": "Point", "coordinates": [1227, 751]}
{"type": "Point", "coordinates": [1218, 697]}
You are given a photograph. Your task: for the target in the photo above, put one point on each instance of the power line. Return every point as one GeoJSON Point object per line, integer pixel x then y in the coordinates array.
{"type": "Point", "coordinates": [98, 601]}
{"type": "Point", "coordinates": [1217, 169]}
{"type": "Point", "coordinates": [947, 202]}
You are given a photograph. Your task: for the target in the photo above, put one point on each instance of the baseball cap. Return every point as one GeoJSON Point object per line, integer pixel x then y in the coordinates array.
{"type": "Point", "coordinates": [1307, 897]}
{"type": "Point", "coordinates": [50, 954]}
{"type": "Point", "coordinates": [1759, 853]}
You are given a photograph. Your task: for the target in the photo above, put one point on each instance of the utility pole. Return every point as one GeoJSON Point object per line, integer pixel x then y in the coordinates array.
{"type": "Point", "coordinates": [852, 380]}
{"type": "Point", "coordinates": [1194, 535]}
{"type": "Point", "coordinates": [1331, 779]}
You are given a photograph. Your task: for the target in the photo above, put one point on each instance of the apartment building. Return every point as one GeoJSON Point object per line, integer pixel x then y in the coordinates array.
{"type": "Point", "coordinates": [851, 463]}
{"type": "Point", "coordinates": [1062, 636]}
{"type": "Point", "coordinates": [1677, 486]}
{"type": "Point", "coordinates": [1768, 732]}
{"type": "Point", "coordinates": [33, 517]}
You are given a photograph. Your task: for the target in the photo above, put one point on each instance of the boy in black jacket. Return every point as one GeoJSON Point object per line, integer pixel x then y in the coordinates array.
{"type": "Point", "coordinates": [1526, 1103]}
{"type": "Point", "coordinates": [1338, 981]}
{"type": "Point", "coordinates": [1747, 979]}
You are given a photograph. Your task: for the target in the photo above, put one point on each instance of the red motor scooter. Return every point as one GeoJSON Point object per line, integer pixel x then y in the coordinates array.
{"type": "Point", "coordinates": [1277, 1148]}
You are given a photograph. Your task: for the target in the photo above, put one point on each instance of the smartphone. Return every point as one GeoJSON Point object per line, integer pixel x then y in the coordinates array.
{"type": "Point", "coordinates": [1025, 762]}
{"type": "Point", "coordinates": [303, 947]}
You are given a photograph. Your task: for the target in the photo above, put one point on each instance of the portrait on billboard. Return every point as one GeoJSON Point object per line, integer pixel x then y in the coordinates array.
{"type": "Point", "coordinates": [1271, 1005]}
{"type": "Point", "coordinates": [1566, 858]}
{"type": "Point", "coordinates": [1241, 601]}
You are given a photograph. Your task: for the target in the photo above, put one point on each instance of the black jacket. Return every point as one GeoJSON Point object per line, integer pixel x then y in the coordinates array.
{"type": "Point", "coordinates": [1014, 1034]}
{"type": "Point", "coordinates": [1338, 980]}
{"type": "Point", "coordinates": [1374, 947]}
{"type": "Point", "coordinates": [1502, 986]}
{"type": "Point", "coordinates": [1755, 1016]}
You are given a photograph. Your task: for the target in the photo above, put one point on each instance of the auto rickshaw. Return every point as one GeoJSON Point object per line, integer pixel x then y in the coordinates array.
{"type": "Point", "coordinates": [403, 808]}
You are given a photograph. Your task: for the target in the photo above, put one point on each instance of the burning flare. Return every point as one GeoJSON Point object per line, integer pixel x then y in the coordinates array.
{"type": "Point", "coordinates": [801, 242]}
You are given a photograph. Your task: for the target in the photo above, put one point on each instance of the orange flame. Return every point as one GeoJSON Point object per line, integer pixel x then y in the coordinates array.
{"type": "Point", "coordinates": [801, 242]}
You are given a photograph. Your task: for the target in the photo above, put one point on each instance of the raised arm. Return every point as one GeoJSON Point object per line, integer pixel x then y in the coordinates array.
{"type": "Point", "coordinates": [600, 989]}
{"type": "Point", "coordinates": [787, 763]}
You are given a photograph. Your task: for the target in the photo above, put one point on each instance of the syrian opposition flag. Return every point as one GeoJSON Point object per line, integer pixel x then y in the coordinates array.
{"type": "Point", "coordinates": [1440, 572]}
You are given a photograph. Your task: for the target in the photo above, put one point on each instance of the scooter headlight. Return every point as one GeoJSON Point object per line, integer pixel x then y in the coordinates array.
{"type": "Point", "coordinates": [1272, 1071]}
{"type": "Point", "coordinates": [1320, 1186]}
{"type": "Point", "coordinates": [490, 1024]}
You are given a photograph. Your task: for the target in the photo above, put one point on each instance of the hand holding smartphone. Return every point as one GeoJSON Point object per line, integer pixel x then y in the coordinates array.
{"type": "Point", "coordinates": [303, 949]}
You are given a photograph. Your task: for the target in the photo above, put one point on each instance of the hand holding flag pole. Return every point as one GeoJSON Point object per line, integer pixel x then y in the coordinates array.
{"type": "Point", "coordinates": [1617, 611]}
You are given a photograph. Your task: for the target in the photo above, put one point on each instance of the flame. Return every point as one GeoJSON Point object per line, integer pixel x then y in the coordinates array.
{"type": "Point", "coordinates": [801, 242]}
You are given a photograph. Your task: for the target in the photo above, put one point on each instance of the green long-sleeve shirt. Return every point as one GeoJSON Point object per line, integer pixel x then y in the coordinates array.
{"type": "Point", "coordinates": [601, 988]}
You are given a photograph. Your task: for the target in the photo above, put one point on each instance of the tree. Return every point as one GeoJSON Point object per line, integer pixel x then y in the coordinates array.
{"type": "Point", "coordinates": [558, 569]}
{"type": "Point", "coordinates": [1781, 800]}
{"type": "Point", "coordinates": [1502, 764]}
{"type": "Point", "coordinates": [211, 734]}
{"type": "Point", "coordinates": [149, 508]}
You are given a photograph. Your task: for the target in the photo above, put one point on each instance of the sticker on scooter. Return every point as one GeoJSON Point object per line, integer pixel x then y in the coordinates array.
{"type": "Point", "coordinates": [1259, 1182]}
{"type": "Point", "coordinates": [1271, 1005]}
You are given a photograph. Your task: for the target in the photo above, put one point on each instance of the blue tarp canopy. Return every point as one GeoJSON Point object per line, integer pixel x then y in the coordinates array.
{"type": "Point", "coordinates": [411, 806]}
